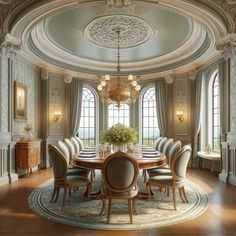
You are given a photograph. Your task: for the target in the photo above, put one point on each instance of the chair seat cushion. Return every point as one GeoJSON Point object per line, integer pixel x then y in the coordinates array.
{"type": "Point", "coordinates": [159, 171]}
{"type": "Point", "coordinates": [77, 171]}
{"type": "Point", "coordinates": [105, 193]}
{"type": "Point", "coordinates": [161, 180]}
{"type": "Point", "coordinates": [166, 180]}
{"type": "Point", "coordinates": [73, 180]}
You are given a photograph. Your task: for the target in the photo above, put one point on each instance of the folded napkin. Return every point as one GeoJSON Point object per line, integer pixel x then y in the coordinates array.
{"type": "Point", "coordinates": [150, 152]}
{"type": "Point", "coordinates": [82, 154]}
{"type": "Point", "coordinates": [154, 155]}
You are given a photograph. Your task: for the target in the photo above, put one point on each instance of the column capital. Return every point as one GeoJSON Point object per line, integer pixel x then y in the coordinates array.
{"type": "Point", "coordinates": [192, 74]}
{"type": "Point", "coordinates": [169, 77]}
{"type": "Point", "coordinates": [10, 46]}
{"type": "Point", "coordinates": [44, 73]}
{"type": "Point", "coordinates": [67, 78]}
{"type": "Point", "coordinates": [227, 46]}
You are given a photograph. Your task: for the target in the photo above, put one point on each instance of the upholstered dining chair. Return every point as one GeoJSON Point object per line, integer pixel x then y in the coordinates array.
{"type": "Point", "coordinates": [61, 179]}
{"type": "Point", "coordinates": [157, 142]}
{"type": "Point", "coordinates": [176, 180]}
{"type": "Point", "coordinates": [162, 144]}
{"type": "Point", "coordinates": [166, 168]}
{"type": "Point", "coordinates": [154, 148]}
{"type": "Point", "coordinates": [72, 149]}
{"type": "Point", "coordinates": [165, 149]}
{"type": "Point", "coordinates": [119, 174]}
{"type": "Point", "coordinates": [72, 170]}
{"type": "Point", "coordinates": [169, 142]}
{"type": "Point", "coordinates": [82, 148]}
{"type": "Point", "coordinates": [150, 151]}
{"type": "Point", "coordinates": [76, 144]}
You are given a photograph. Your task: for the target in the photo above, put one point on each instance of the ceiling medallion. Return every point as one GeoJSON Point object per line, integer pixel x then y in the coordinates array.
{"type": "Point", "coordinates": [133, 31]}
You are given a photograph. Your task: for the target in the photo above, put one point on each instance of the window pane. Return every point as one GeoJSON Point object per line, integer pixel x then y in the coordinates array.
{"type": "Point", "coordinates": [216, 113]}
{"type": "Point", "coordinates": [149, 118]}
{"type": "Point", "coordinates": [87, 120]}
{"type": "Point", "coordinates": [118, 115]}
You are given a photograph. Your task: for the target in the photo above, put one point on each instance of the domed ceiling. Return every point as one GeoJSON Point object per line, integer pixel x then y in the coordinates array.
{"type": "Point", "coordinates": [143, 36]}
{"type": "Point", "coordinates": [82, 38]}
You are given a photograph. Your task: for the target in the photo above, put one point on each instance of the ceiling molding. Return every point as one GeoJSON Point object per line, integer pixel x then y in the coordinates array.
{"type": "Point", "coordinates": [213, 20]}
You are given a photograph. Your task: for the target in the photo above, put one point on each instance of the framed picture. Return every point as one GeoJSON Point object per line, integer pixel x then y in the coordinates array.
{"type": "Point", "coordinates": [20, 101]}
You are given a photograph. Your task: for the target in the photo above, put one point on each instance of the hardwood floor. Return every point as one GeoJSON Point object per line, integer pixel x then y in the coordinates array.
{"type": "Point", "coordinates": [16, 218]}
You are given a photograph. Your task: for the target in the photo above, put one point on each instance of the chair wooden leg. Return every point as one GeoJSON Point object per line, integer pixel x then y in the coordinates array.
{"type": "Point", "coordinates": [148, 187]}
{"type": "Point", "coordinates": [91, 176]}
{"type": "Point", "coordinates": [64, 196]}
{"type": "Point", "coordinates": [184, 194]}
{"type": "Point", "coordinates": [167, 191]}
{"type": "Point", "coordinates": [69, 192]}
{"type": "Point", "coordinates": [109, 211]}
{"type": "Point", "coordinates": [181, 195]}
{"type": "Point", "coordinates": [174, 198]}
{"type": "Point", "coordinates": [134, 206]}
{"type": "Point", "coordinates": [54, 191]}
{"type": "Point", "coordinates": [103, 206]}
{"type": "Point", "coordinates": [89, 187]}
{"type": "Point", "coordinates": [57, 194]}
{"type": "Point", "coordinates": [144, 176]}
{"type": "Point", "coordinates": [130, 211]}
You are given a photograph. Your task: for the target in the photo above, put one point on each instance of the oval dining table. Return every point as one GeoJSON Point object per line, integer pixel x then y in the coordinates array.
{"type": "Point", "coordinates": [95, 162]}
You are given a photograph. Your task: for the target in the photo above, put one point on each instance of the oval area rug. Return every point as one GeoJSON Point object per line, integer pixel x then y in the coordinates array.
{"type": "Point", "coordinates": [83, 213]}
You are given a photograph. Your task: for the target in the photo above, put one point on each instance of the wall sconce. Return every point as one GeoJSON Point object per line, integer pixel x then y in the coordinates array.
{"type": "Point", "coordinates": [56, 115]}
{"type": "Point", "coordinates": [180, 115]}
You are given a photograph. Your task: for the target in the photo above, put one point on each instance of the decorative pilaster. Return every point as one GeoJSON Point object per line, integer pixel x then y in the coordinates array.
{"type": "Point", "coordinates": [223, 176]}
{"type": "Point", "coordinates": [227, 47]}
{"type": "Point", "coordinates": [231, 139]}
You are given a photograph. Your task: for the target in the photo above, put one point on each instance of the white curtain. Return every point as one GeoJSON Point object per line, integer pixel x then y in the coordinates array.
{"type": "Point", "coordinates": [160, 92]}
{"type": "Point", "coordinates": [75, 105]}
{"type": "Point", "coordinates": [197, 115]}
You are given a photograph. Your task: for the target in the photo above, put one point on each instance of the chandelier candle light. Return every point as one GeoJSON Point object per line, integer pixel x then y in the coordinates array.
{"type": "Point", "coordinates": [118, 91]}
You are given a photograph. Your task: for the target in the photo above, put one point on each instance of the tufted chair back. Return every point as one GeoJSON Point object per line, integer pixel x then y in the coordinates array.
{"type": "Point", "coordinates": [81, 145]}
{"type": "Point", "coordinates": [70, 146]}
{"type": "Point", "coordinates": [120, 172]}
{"type": "Point", "coordinates": [167, 146]}
{"type": "Point", "coordinates": [64, 150]}
{"type": "Point", "coordinates": [179, 163]}
{"type": "Point", "coordinates": [157, 142]}
{"type": "Point", "coordinates": [162, 144]}
{"type": "Point", "coordinates": [59, 164]}
{"type": "Point", "coordinates": [76, 144]}
{"type": "Point", "coordinates": [173, 150]}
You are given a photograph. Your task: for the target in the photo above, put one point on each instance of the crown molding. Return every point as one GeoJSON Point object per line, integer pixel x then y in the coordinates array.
{"type": "Point", "coordinates": [216, 18]}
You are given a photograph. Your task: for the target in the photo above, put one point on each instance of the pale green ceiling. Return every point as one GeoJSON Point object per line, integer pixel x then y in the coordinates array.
{"type": "Point", "coordinates": [66, 31]}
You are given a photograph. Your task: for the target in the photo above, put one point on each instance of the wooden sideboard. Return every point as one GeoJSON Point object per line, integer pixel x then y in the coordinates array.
{"type": "Point", "coordinates": [28, 154]}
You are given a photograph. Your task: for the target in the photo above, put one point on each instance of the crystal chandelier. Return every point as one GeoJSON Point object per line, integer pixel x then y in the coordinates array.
{"type": "Point", "coordinates": [118, 90]}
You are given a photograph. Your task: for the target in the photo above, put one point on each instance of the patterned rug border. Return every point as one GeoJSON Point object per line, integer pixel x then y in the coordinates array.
{"type": "Point", "coordinates": [198, 209]}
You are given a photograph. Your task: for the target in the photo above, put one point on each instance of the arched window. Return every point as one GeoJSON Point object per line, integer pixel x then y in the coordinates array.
{"type": "Point", "coordinates": [150, 129]}
{"type": "Point", "coordinates": [118, 115]}
{"type": "Point", "coordinates": [216, 113]}
{"type": "Point", "coordinates": [87, 129]}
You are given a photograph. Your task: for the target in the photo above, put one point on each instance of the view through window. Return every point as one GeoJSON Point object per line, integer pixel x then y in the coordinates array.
{"type": "Point", "coordinates": [87, 120]}
{"type": "Point", "coordinates": [216, 113]}
{"type": "Point", "coordinates": [150, 129]}
{"type": "Point", "coordinates": [118, 115]}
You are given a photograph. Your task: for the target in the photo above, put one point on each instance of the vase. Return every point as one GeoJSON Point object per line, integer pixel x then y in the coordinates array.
{"type": "Point", "coordinates": [122, 148]}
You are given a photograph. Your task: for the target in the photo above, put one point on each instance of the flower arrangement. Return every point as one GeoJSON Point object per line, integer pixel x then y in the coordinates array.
{"type": "Point", "coordinates": [119, 135]}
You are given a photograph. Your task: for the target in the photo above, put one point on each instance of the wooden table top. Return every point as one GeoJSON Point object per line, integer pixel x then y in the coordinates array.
{"type": "Point", "coordinates": [97, 162]}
